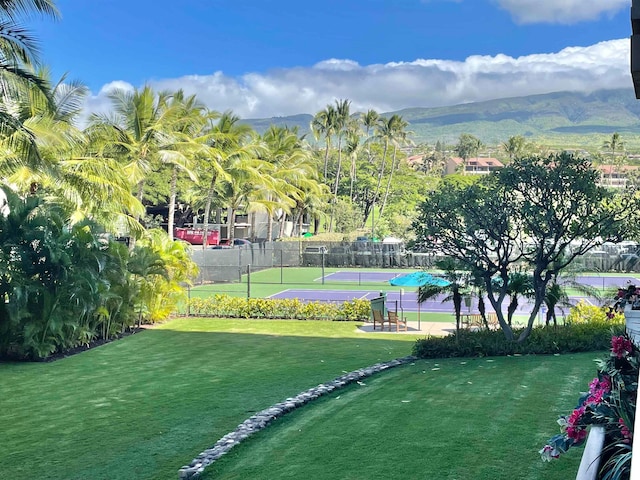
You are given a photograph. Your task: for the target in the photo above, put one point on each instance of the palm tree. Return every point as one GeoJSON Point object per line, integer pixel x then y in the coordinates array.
{"type": "Point", "coordinates": [384, 133]}
{"type": "Point", "coordinates": [514, 147]}
{"type": "Point", "coordinates": [613, 144]}
{"type": "Point", "coordinates": [138, 131]}
{"type": "Point", "coordinates": [247, 178]}
{"type": "Point", "coordinates": [341, 126]}
{"type": "Point", "coordinates": [228, 140]}
{"type": "Point", "coordinates": [369, 120]}
{"type": "Point", "coordinates": [398, 137]}
{"type": "Point", "coordinates": [352, 148]}
{"type": "Point", "coordinates": [518, 285]}
{"type": "Point", "coordinates": [557, 294]}
{"type": "Point", "coordinates": [467, 147]}
{"type": "Point", "coordinates": [324, 124]}
{"type": "Point", "coordinates": [294, 173]}
{"type": "Point", "coordinates": [185, 148]}
{"type": "Point", "coordinates": [455, 291]}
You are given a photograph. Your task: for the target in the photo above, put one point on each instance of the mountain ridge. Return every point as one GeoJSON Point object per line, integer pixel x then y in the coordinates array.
{"type": "Point", "coordinates": [559, 119]}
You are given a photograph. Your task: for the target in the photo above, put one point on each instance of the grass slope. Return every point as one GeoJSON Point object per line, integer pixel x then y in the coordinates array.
{"type": "Point", "coordinates": [143, 406]}
{"type": "Point", "coordinates": [480, 419]}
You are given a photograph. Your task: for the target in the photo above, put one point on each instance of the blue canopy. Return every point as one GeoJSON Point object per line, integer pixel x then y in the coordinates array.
{"type": "Point", "coordinates": [418, 279]}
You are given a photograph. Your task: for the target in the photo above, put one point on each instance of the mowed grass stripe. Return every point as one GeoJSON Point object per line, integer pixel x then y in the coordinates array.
{"type": "Point", "coordinates": [143, 406]}
{"type": "Point", "coordinates": [473, 419]}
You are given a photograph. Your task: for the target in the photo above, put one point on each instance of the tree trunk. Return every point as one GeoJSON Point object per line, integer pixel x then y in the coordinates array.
{"type": "Point", "coordinates": [326, 159]}
{"type": "Point", "coordinates": [207, 211]}
{"type": "Point", "coordinates": [335, 186]}
{"type": "Point", "coordinates": [269, 227]}
{"type": "Point", "coordinates": [231, 224]}
{"type": "Point", "coordinates": [172, 202]}
{"type": "Point", "coordinates": [386, 192]}
{"type": "Point", "coordinates": [539, 299]}
{"type": "Point", "coordinates": [513, 305]}
{"type": "Point", "coordinates": [375, 194]}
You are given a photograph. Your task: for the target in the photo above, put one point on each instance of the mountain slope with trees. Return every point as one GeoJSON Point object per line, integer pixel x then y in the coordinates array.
{"type": "Point", "coordinates": [565, 119]}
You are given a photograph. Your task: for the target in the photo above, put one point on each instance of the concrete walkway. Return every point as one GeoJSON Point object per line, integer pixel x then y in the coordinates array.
{"type": "Point", "coordinates": [426, 328]}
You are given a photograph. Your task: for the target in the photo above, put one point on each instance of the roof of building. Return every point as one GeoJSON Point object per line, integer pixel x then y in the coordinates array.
{"type": "Point", "coordinates": [480, 162]}
{"type": "Point", "coordinates": [609, 169]}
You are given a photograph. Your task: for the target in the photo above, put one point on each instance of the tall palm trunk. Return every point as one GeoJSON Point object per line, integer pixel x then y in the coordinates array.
{"type": "Point", "coordinates": [386, 192]}
{"type": "Point", "coordinates": [375, 194]}
{"type": "Point", "coordinates": [269, 227]}
{"type": "Point", "coordinates": [326, 159]}
{"type": "Point", "coordinates": [231, 224]}
{"type": "Point", "coordinates": [352, 174]}
{"type": "Point", "coordinates": [335, 186]}
{"type": "Point", "coordinates": [172, 201]}
{"type": "Point", "coordinates": [207, 211]}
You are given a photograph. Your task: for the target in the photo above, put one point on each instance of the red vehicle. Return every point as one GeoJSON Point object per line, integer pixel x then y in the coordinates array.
{"type": "Point", "coordinates": [194, 235]}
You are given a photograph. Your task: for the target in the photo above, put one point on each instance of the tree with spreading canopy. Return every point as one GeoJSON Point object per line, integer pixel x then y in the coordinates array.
{"type": "Point", "coordinates": [536, 213]}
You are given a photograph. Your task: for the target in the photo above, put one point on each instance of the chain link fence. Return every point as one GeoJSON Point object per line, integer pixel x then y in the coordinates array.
{"type": "Point", "coordinates": [228, 265]}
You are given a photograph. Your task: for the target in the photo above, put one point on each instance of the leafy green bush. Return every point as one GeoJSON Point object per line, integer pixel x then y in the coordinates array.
{"type": "Point", "coordinates": [290, 308]}
{"type": "Point", "coordinates": [65, 285]}
{"type": "Point", "coordinates": [583, 337]}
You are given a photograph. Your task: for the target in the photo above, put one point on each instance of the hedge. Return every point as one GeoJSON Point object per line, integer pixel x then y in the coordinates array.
{"type": "Point", "coordinates": [289, 308]}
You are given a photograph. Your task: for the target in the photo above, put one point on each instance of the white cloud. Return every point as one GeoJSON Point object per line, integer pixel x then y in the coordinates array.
{"type": "Point", "coordinates": [393, 86]}
{"type": "Point", "coordinates": [561, 11]}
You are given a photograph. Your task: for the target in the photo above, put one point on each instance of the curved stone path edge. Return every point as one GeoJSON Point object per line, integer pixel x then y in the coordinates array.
{"type": "Point", "coordinates": [262, 419]}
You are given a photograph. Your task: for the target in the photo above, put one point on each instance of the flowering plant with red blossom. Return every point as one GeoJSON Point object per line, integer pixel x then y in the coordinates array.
{"type": "Point", "coordinates": [610, 402]}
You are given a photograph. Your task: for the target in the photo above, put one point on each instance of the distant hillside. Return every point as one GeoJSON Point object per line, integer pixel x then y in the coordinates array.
{"type": "Point", "coordinates": [561, 119]}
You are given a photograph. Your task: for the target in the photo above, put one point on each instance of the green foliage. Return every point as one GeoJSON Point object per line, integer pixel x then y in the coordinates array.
{"type": "Point", "coordinates": [65, 286]}
{"type": "Point", "coordinates": [581, 337]}
{"type": "Point", "coordinates": [289, 308]}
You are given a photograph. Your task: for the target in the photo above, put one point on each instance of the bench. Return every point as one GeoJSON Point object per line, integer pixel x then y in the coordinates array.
{"type": "Point", "coordinates": [469, 320]}
{"type": "Point", "coordinates": [400, 323]}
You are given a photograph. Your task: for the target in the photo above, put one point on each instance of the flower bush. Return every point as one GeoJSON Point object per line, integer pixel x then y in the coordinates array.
{"type": "Point", "coordinates": [611, 403]}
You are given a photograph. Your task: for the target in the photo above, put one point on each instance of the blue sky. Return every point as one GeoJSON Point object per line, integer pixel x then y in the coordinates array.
{"type": "Point", "coordinates": [267, 58]}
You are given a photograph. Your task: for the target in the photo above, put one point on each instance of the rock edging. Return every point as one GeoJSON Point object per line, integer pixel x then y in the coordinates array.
{"type": "Point", "coordinates": [262, 419]}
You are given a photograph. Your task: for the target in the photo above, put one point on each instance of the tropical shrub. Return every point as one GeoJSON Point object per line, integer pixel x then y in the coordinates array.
{"type": "Point", "coordinates": [290, 308]}
{"type": "Point", "coordinates": [543, 340]}
{"type": "Point", "coordinates": [161, 269]}
{"type": "Point", "coordinates": [63, 286]}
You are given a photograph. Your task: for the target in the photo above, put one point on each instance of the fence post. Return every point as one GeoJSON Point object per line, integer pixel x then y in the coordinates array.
{"type": "Point", "coordinates": [248, 282]}
{"type": "Point", "coordinates": [322, 267]}
{"type": "Point", "coordinates": [281, 267]}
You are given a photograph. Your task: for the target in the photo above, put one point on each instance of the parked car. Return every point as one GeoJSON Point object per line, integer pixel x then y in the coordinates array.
{"type": "Point", "coordinates": [237, 242]}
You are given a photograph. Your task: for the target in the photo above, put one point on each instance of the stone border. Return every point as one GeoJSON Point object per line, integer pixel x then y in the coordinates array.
{"type": "Point", "coordinates": [262, 419]}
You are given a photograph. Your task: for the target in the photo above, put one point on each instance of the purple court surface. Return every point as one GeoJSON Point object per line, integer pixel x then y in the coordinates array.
{"type": "Point", "coordinates": [603, 282]}
{"type": "Point", "coordinates": [406, 300]}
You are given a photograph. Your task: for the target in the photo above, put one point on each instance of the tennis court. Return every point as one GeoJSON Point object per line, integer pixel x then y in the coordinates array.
{"type": "Point", "coordinates": [370, 276]}
{"type": "Point", "coordinates": [400, 300]}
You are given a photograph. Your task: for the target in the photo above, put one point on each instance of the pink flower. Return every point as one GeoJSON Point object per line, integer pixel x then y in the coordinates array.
{"type": "Point", "coordinates": [624, 430]}
{"type": "Point", "coordinates": [575, 431]}
{"type": "Point", "coordinates": [621, 346]}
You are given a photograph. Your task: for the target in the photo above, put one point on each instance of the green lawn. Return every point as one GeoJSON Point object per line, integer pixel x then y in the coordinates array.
{"type": "Point", "coordinates": [143, 406]}
{"type": "Point", "coordinates": [473, 419]}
